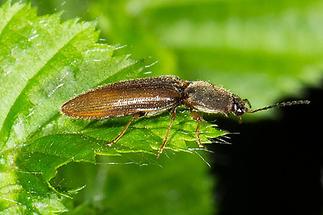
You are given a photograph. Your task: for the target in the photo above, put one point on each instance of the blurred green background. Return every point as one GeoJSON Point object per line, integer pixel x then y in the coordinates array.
{"type": "Point", "coordinates": [260, 50]}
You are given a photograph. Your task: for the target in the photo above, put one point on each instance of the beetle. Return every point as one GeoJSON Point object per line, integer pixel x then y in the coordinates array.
{"type": "Point", "coordinates": [155, 95]}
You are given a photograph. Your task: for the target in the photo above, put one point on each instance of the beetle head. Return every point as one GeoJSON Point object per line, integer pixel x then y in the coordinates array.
{"type": "Point", "coordinates": [240, 106]}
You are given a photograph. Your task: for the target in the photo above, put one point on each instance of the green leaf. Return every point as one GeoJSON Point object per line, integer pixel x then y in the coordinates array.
{"type": "Point", "coordinates": [171, 186]}
{"type": "Point", "coordinates": [43, 63]}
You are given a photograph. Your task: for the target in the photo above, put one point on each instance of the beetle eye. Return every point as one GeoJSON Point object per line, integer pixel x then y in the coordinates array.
{"type": "Point", "coordinates": [238, 110]}
{"type": "Point", "coordinates": [235, 108]}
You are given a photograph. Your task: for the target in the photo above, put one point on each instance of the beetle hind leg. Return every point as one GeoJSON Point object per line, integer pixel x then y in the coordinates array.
{"type": "Point", "coordinates": [123, 131]}
{"type": "Point", "coordinates": [172, 119]}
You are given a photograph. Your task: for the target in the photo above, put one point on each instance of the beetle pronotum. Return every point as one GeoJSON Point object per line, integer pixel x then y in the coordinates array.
{"type": "Point", "coordinates": [151, 96]}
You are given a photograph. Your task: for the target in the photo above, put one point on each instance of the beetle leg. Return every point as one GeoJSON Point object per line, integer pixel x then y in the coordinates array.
{"type": "Point", "coordinates": [173, 116]}
{"type": "Point", "coordinates": [198, 118]}
{"type": "Point", "coordinates": [123, 131]}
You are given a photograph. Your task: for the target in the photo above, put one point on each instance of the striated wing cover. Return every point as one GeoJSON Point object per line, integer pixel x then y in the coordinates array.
{"type": "Point", "coordinates": [147, 95]}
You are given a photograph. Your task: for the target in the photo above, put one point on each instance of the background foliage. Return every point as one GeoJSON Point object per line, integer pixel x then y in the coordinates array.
{"type": "Point", "coordinates": [270, 48]}
{"type": "Point", "coordinates": [260, 50]}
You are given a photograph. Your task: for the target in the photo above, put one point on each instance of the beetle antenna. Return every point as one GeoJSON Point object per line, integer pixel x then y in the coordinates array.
{"type": "Point", "coordinates": [282, 104]}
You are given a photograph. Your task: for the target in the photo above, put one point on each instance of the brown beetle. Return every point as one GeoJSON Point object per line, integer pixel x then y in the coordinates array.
{"type": "Point", "coordinates": [151, 96]}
